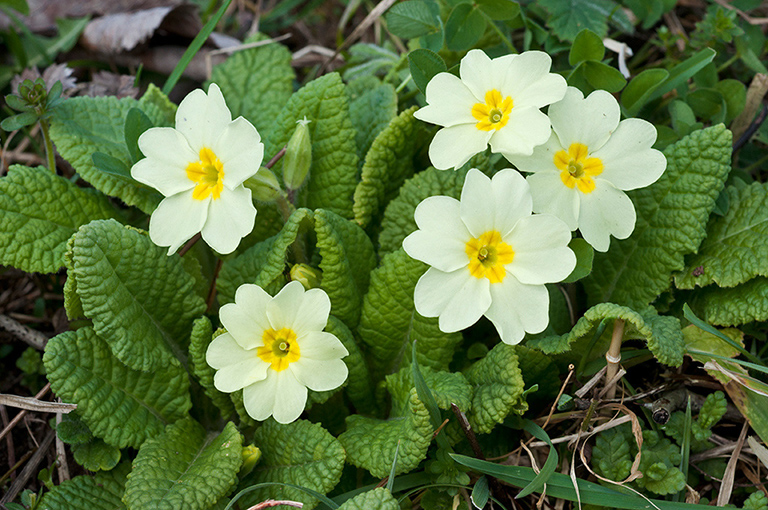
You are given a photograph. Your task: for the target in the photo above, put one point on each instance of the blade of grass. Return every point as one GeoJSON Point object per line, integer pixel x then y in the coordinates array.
{"type": "Point", "coordinates": [549, 465]}
{"type": "Point", "coordinates": [560, 486]}
{"type": "Point", "coordinates": [685, 448]}
{"type": "Point", "coordinates": [425, 395]}
{"type": "Point", "coordinates": [194, 47]}
{"type": "Point", "coordinates": [322, 498]}
{"type": "Point", "coordinates": [391, 479]}
{"type": "Point", "coordinates": [688, 314]}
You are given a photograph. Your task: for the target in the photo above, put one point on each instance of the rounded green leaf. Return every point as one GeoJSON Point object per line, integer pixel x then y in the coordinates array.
{"type": "Point", "coordinates": [424, 65]}
{"type": "Point", "coordinates": [640, 88]}
{"type": "Point", "coordinates": [376, 499]}
{"type": "Point", "coordinates": [587, 46]}
{"type": "Point", "coordinates": [499, 10]}
{"type": "Point", "coordinates": [464, 27]}
{"type": "Point", "coordinates": [413, 18]}
{"type": "Point", "coordinates": [602, 76]}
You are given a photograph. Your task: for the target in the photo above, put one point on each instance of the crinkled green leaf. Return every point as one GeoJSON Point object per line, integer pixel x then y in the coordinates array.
{"type": "Point", "coordinates": [659, 465]}
{"type": "Point", "coordinates": [736, 246]}
{"type": "Point", "coordinates": [611, 457]}
{"type": "Point", "coordinates": [671, 218]}
{"type": "Point", "coordinates": [185, 468]}
{"type": "Point", "coordinates": [371, 443]}
{"type": "Point", "coordinates": [333, 174]}
{"type": "Point", "coordinates": [72, 304]}
{"type": "Point", "coordinates": [446, 387]}
{"type": "Point", "coordinates": [377, 499]}
{"type": "Point", "coordinates": [142, 302]}
{"type": "Point", "coordinates": [372, 105]}
{"type": "Point", "coordinates": [256, 82]}
{"type": "Point", "coordinates": [662, 334]}
{"type": "Point", "coordinates": [122, 406]}
{"type": "Point", "coordinates": [154, 100]}
{"type": "Point", "coordinates": [359, 385]}
{"type": "Point", "coordinates": [389, 323]}
{"type": "Point", "coordinates": [538, 368]}
{"type": "Point", "coordinates": [101, 492]}
{"type": "Point", "coordinates": [202, 334]}
{"type": "Point", "coordinates": [96, 455]}
{"type": "Point", "coordinates": [39, 212]}
{"type": "Point", "coordinates": [734, 305]}
{"type": "Point", "coordinates": [262, 264]}
{"type": "Point", "coordinates": [347, 261]}
{"type": "Point", "coordinates": [499, 387]}
{"type": "Point", "coordinates": [569, 17]}
{"type": "Point", "coordinates": [81, 126]}
{"type": "Point", "coordinates": [398, 219]}
{"type": "Point", "coordinates": [300, 453]}
{"type": "Point", "coordinates": [387, 165]}
{"type": "Point", "coordinates": [756, 501]}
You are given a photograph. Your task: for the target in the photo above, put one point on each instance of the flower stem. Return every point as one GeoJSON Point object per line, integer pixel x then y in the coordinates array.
{"type": "Point", "coordinates": [50, 155]}
{"type": "Point", "coordinates": [613, 357]}
{"type": "Point", "coordinates": [190, 244]}
{"type": "Point", "coordinates": [276, 158]}
{"type": "Point", "coordinates": [504, 38]}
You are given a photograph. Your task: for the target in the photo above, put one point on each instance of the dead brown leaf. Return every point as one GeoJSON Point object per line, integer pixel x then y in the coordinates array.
{"type": "Point", "coordinates": [117, 33]}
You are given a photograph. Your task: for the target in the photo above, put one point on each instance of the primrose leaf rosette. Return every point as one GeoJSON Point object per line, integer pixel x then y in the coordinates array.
{"type": "Point", "coordinates": [580, 174]}
{"type": "Point", "coordinates": [489, 256]}
{"type": "Point", "coordinates": [275, 349]}
{"type": "Point", "coordinates": [200, 167]}
{"type": "Point", "coordinates": [496, 102]}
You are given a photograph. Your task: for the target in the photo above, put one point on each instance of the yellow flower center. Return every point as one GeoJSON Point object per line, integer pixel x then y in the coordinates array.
{"type": "Point", "coordinates": [488, 255]}
{"type": "Point", "coordinates": [280, 348]}
{"type": "Point", "coordinates": [494, 113]}
{"type": "Point", "coordinates": [208, 173]}
{"type": "Point", "coordinates": [576, 169]}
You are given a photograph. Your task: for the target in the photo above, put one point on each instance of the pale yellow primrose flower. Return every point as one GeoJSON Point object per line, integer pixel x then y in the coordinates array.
{"type": "Point", "coordinates": [495, 102]}
{"type": "Point", "coordinates": [200, 167]}
{"type": "Point", "coordinates": [275, 348]}
{"type": "Point", "coordinates": [489, 256]}
{"type": "Point", "coordinates": [590, 159]}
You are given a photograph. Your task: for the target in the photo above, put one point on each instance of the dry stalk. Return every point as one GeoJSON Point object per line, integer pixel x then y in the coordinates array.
{"type": "Point", "coordinates": [613, 357]}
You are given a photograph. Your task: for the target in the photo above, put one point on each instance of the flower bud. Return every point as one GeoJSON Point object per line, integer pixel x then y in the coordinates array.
{"type": "Point", "coordinates": [308, 276]}
{"type": "Point", "coordinates": [251, 457]}
{"type": "Point", "coordinates": [264, 185]}
{"type": "Point", "coordinates": [298, 156]}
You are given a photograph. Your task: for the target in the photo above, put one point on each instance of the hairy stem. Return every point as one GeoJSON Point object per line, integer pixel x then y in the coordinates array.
{"type": "Point", "coordinates": [49, 154]}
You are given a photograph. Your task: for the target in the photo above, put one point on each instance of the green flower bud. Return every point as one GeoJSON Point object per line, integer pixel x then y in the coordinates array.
{"type": "Point", "coordinates": [264, 185]}
{"type": "Point", "coordinates": [308, 276]}
{"type": "Point", "coordinates": [298, 156]}
{"type": "Point", "coordinates": [251, 457]}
